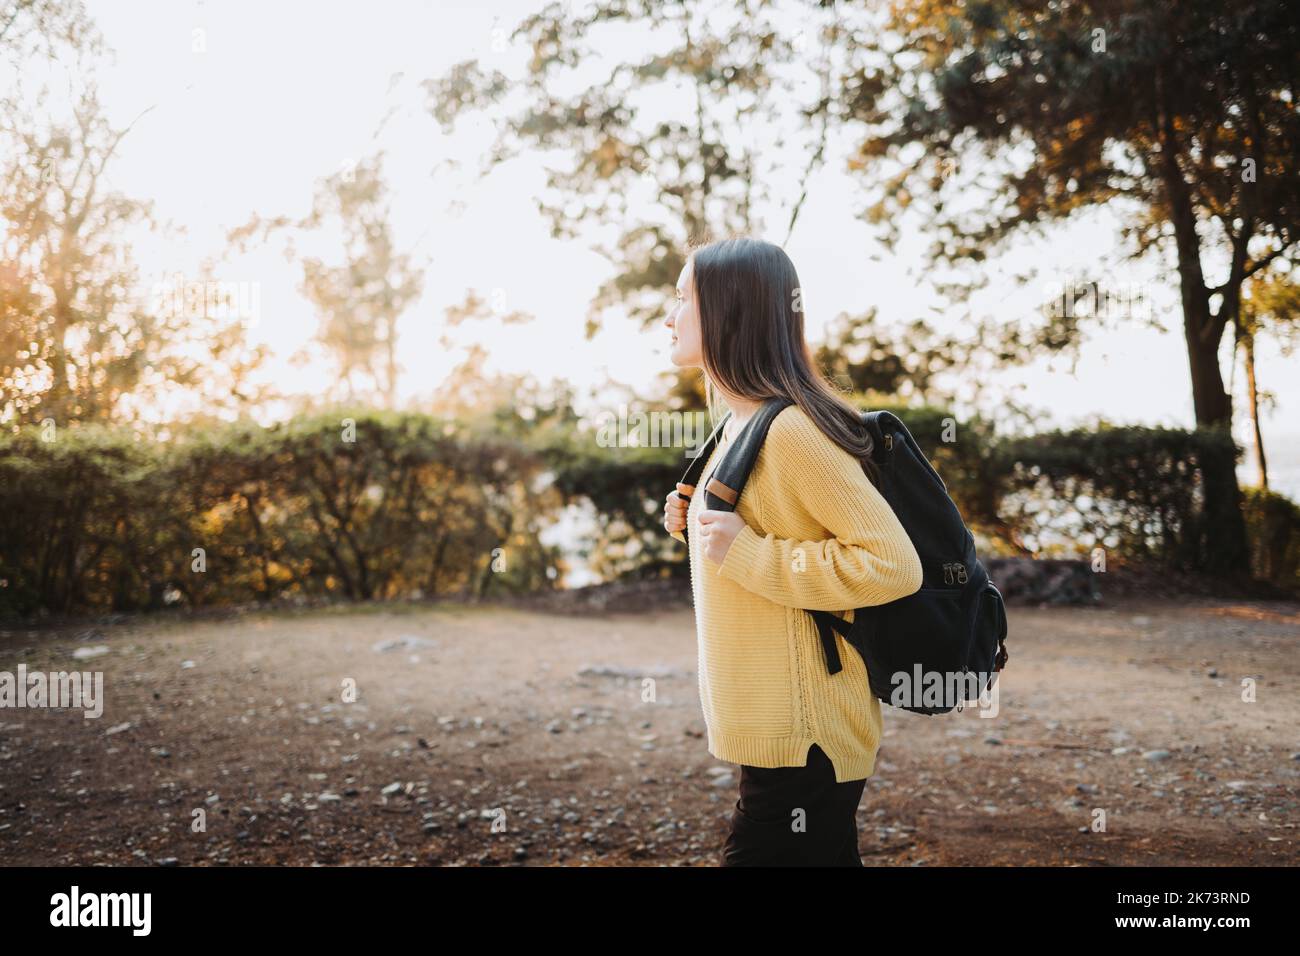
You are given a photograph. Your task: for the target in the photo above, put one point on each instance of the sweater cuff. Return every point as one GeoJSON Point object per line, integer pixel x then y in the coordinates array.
{"type": "Point", "coordinates": [743, 555]}
{"type": "Point", "coordinates": [678, 535]}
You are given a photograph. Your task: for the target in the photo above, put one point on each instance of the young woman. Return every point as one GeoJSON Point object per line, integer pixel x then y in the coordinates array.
{"type": "Point", "coordinates": [810, 531]}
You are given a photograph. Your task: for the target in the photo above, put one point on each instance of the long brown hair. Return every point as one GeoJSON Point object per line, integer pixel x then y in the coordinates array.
{"type": "Point", "coordinates": [752, 339]}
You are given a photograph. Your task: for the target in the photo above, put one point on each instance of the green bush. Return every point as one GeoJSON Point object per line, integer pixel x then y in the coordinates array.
{"type": "Point", "coordinates": [101, 519]}
{"type": "Point", "coordinates": [1273, 534]}
{"type": "Point", "coordinates": [73, 508]}
{"type": "Point", "coordinates": [415, 505]}
{"type": "Point", "coordinates": [1134, 491]}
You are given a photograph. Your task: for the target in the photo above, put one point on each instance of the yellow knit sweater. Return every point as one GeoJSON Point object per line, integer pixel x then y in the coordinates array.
{"type": "Point", "coordinates": [818, 535]}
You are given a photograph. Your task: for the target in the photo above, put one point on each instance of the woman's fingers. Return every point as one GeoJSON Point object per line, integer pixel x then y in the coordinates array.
{"type": "Point", "coordinates": [674, 512]}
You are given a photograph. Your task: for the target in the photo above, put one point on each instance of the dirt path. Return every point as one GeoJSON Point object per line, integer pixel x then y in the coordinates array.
{"type": "Point", "coordinates": [477, 737]}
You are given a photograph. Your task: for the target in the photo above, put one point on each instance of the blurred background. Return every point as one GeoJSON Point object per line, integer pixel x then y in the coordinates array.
{"type": "Point", "coordinates": [359, 309]}
{"type": "Point", "coordinates": [1058, 237]}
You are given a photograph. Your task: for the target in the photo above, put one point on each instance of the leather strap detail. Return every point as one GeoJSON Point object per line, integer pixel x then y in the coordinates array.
{"type": "Point", "coordinates": [716, 487]}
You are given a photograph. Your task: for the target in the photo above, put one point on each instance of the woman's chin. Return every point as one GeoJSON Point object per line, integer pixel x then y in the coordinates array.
{"type": "Point", "coordinates": [681, 361]}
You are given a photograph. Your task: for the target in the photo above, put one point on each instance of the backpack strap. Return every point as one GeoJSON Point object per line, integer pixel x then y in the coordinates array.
{"type": "Point", "coordinates": [724, 486]}
{"type": "Point", "coordinates": [827, 623]}
{"type": "Point", "coordinates": [696, 466]}
{"type": "Point", "coordinates": [693, 470]}
{"type": "Point", "coordinates": [728, 480]}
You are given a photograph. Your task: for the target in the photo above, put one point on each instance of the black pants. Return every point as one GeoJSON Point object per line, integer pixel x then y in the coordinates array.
{"type": "Point", "coordinates": [766, 830]}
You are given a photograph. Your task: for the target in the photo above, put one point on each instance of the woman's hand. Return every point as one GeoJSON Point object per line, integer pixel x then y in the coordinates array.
{"type": "Point", "coordinates": [675, 510]}
{"type": "Point", "coordinates": [717, 530]}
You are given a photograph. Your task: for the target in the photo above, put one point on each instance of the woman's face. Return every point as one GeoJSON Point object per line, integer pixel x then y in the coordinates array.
{"type": "Point", "coordinates": [684, 321]}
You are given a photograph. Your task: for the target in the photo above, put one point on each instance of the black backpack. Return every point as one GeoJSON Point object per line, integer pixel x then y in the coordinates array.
{"type": "Point", "coordinates": [946, 642]}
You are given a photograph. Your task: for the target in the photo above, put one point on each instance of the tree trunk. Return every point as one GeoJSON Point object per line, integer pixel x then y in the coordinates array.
{"type": "Point", "coordinates": [1249, 343]}
{"type": "Point", "coordinates": [390, 342]}
{"type": "Point", "coordinates": [1224, 549]}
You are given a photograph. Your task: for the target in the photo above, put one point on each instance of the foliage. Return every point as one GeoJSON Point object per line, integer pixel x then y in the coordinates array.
{"type": "Point", "coordinates": [1136, 491]}
{"type": "Point", "coordinates": [995, 118]}
{"type": "Point", "coordinates": [415, 505]}
{"type": "Point", "coordinates": [101, 519]}
{"type": "Point", "coordinates": [1273, 526]}
{"type": "Point", "coordinates": [738, 86]}
{"type": "Point", "coordinates": [359, 301]}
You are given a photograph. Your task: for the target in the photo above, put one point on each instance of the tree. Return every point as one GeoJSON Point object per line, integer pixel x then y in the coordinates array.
{"type": "Point", "coordinates": [46, 28]}
{"type": "Point", "coordinates": [1271, 305]}
{"type": "Point", "coordinates": [360, 300]}
{"type": "Point", "coordinates": [995, 118]}
{"type": "Point", "coordinates": [78, 339]}
{"type": "Point", "coordinates": [711, 162]}
{"type": "Point", "coordinates": [858, 354]}
{"type": "Point", "coordinates": [74, 340]}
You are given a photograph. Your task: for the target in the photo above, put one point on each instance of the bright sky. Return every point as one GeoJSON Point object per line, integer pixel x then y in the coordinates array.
{"type": "Point", "coordinates": [287, 93]}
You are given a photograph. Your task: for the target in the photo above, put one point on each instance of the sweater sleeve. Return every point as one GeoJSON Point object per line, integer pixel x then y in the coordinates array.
{"type": "Point", "coordinates": [867, 558]}
{"type": "Point", "coordinates": [678, 535]}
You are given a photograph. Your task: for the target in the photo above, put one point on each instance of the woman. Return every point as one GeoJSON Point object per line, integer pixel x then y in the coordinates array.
{"type": "Point", "coordinates": [810, 531]}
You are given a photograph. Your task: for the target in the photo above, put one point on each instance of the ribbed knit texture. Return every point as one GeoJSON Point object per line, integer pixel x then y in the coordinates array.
{"type": "Point", "coordinates": [818, 536]}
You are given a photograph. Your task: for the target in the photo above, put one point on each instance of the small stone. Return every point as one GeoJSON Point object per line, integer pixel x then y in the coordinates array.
{"type": "Point", "coordinates": [408, 641]}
